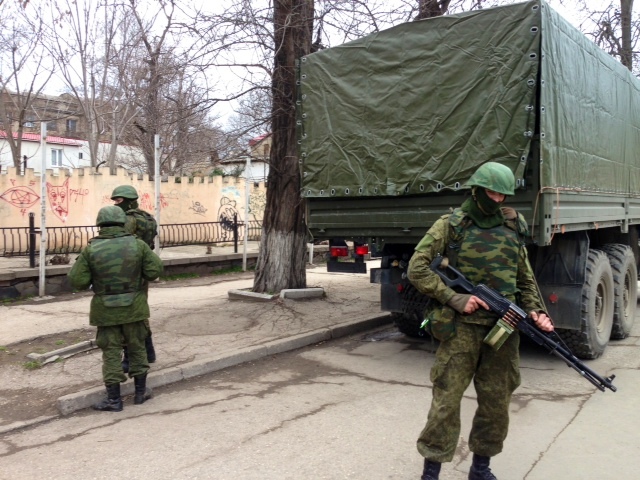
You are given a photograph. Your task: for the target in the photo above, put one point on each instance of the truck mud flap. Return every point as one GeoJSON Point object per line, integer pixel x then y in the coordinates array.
{"type": "Point", "coordinates": [346, 267]}
{"type": "Point", "coordinates": [386, 276]}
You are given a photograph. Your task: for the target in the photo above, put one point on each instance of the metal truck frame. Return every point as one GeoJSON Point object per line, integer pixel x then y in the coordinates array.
{"type": "Point", "coordinates": [391, 127]}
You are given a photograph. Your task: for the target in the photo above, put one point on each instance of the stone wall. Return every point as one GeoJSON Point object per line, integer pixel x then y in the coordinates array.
{"type": "Point", "coordinates": [73, 197]}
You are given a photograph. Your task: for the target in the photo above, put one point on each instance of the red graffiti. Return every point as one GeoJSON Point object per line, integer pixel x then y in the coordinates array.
{"type": "Point", "coordinates": [78, 192]}
{"type": "Point", "coordinates": [147, 202]}
{"type": "Point", "coordinates": [20, 197]}
{"type": "Point", "coordinates": [59, 199]}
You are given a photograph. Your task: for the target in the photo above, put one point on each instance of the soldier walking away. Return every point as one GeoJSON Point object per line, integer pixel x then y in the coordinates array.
{"type": "Point", "coordinates": [485, 241]}
{"type": "Point", "coordinates": [115, 264]}
{"type": "Point", "coordinates": [141, 224]}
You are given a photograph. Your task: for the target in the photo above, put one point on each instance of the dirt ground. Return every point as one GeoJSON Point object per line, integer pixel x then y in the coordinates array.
{"type": "Point", "coordinates": [23, 404]}
{"type": "Point", "coordinates": [37, 400]}
{"type": "Point", "coordinates": [191, 317]}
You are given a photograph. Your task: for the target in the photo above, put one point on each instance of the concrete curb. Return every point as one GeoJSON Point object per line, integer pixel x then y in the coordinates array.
{"type": "Point", "coordinates": [295, 293]}
{"type": "Point", "coordinates": [85, 398]}
{"type": "Point", "coordinates": [251, 296]}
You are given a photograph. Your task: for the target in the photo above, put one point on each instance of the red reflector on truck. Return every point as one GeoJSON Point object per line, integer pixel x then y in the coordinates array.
{"type": "Point", "coordinates": [339, 251]}
{"type": "Point", "coordinates": [362, 249]}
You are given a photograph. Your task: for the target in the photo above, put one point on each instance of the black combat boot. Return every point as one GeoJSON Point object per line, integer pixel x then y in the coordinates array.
{"type": "Point", "coordinates": [431, 470]}
{"type": "Point", "coordinates": [113, 402]}
{"type": "Point", "coordinates": [480, 469]}
{"type": "Point", "coordinates": [125, 360]}
{"type": "Point", "coordinates": [142, 393]}
{"type": "Point", "coordinates": [151, 351]}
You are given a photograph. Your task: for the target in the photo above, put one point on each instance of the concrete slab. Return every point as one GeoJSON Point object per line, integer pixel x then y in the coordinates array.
{"type": "Point", "coordinates": [573, 446]}
{"type": "Point", "coordinates": [63, 352]}
{"type": "Point", "coordinates": [295, 293]}
{"type": "Point", "coordinates": [250, 296]}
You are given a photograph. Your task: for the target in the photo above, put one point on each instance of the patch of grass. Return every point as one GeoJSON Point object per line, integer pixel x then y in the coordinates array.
{"type": "Point", "coordinates": [32, 365]}
{"type": "Point", "coordinates": [6, 301]}
{"type": "Point", "coordinates": [236, 269]}
{"type": "Point", "coordinates": [60, 342]}
{"type": "Point", "coordinates": [224, 271]}
{"type": "Point", "coordinates": [179, 276]}
{"type": "Point", "coordinates": [3, 349]}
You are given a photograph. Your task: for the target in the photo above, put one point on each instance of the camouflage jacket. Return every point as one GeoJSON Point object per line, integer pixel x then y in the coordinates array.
{"type": "Point", "coordinates": [118, 300]}
{"type": "Point", "coordinates": [524, 293]}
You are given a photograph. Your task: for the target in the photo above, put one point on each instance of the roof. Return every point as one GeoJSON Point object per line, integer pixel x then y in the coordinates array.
{"type": "Point", "coordinates": [257, 140]}
{"type": "Point", "coordinates": [35, 137]}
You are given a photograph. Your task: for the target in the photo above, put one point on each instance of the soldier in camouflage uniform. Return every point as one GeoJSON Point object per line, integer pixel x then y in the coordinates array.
{"type": "Point", "coordinates": [115, 264]}
{"type": "Point", "coordinates": [485, 242]}
{"type": "Point", "coordinates": [141, 224]}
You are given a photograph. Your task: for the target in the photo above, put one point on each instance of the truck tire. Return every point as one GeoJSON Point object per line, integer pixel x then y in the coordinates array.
{"type": "Point", "coordinates": [596, 319]}
{"type": "Point", "coordinates": [413, 306]}
{"type": "Point", "coordinates": [625, 288]}
{"type": "Point", "coordinates": [408, 325]}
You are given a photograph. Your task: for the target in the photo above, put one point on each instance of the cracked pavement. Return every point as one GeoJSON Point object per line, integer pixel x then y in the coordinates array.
{"type": "Point", "coordinates": [350, 408]}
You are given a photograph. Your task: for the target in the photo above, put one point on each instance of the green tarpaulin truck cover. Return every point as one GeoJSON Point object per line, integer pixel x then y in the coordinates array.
{"type": "Point", "coordinates": [418, 107]}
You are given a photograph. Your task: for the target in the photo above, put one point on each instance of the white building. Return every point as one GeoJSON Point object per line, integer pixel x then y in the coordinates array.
{"type": "Point", "coordinates": [259, 150]}
{"type": "Point", "coordinates": [64, 153]}
{"type": "Point", "coordinates": [60, 152]}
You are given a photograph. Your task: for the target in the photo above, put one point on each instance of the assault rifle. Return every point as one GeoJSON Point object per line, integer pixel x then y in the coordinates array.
{"type": "Point", "coordinates": [513, 316]}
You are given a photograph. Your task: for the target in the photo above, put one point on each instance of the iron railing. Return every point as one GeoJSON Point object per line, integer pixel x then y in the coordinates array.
{"type": "Point", "coordinates": [23, 241]}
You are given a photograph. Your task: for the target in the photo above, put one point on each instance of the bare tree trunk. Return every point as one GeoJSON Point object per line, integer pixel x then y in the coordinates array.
{"type": "Point", "coordinates": [626, 47]}
{"type": "Point", "coordinates": [281, 263]}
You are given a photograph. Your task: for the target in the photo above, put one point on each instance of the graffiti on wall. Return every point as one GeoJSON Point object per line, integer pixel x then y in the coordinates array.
{"type": "Point", "coordinates": [76, 194]}
{"type": "Point", "coordinates": [198, 208]}
{"type": "Point", "coordinates": [58, 196]}
{"type": "Point", "coordinates": [20, 197]}
{"type": "Point", "coordinates": [74, 199]}
{"type": "Point", "coordinates": [226, 214]}
{"type": "Point", "coordinates": [147, 202]}
{"type": "Point", "coordinates": [257, 204]}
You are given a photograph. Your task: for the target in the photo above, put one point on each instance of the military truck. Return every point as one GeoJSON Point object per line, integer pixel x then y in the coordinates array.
{"type": "Point", "coordinates": [392, 125]}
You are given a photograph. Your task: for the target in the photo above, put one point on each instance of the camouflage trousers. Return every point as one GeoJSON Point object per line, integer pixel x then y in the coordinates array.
{"type": "Point", "coordinates": [111, 339]}
{"type": "Point", "coordinates": [495, 374]}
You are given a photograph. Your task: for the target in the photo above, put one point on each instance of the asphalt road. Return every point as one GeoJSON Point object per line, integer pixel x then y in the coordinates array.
{"type": "Point", "coordinates": [344, 409]}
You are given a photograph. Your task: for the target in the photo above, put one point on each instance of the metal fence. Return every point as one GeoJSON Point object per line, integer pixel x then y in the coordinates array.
{"type": "Point", "coordinates": [23, 241]}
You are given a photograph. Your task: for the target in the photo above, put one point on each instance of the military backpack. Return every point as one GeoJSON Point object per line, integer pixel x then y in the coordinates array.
{"type": "Point", "coordinates": [146, 226]}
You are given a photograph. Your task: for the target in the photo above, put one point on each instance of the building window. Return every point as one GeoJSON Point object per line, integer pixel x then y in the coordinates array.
{"type": "Point", "coordinates": [80, 156]}
{"type": "Point", "coordinates": [71, 125]}
{"type": "Point", "coordinates": [56, 157]}
{"type": "Point", "coordinates": [52, 126]}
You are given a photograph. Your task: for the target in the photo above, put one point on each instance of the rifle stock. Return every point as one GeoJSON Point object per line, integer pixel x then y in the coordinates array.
{"type": "Point", "coordinates": [513, 316]}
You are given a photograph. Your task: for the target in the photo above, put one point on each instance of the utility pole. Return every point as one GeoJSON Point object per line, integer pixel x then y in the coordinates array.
{"type": "Point", "coordinates": [43, 210]}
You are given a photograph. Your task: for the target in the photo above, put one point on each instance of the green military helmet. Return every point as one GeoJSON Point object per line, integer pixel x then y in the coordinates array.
{"type": "Point", "coordinates": [111, 215]}
{"type": "Point", "coordinates": [494, 176]}
{"type": "Point", "coordinates": [124, 191]}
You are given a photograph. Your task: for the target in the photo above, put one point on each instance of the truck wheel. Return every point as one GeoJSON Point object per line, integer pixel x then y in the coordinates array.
{"type": "Point", "coordinates": [413, 306]}
{"type": "Point", "coordinates": [625, 288]}
{"type": "Point", "coordinates": [597, 309]}
{"type": "Point", "coordinates": [409, 325]}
